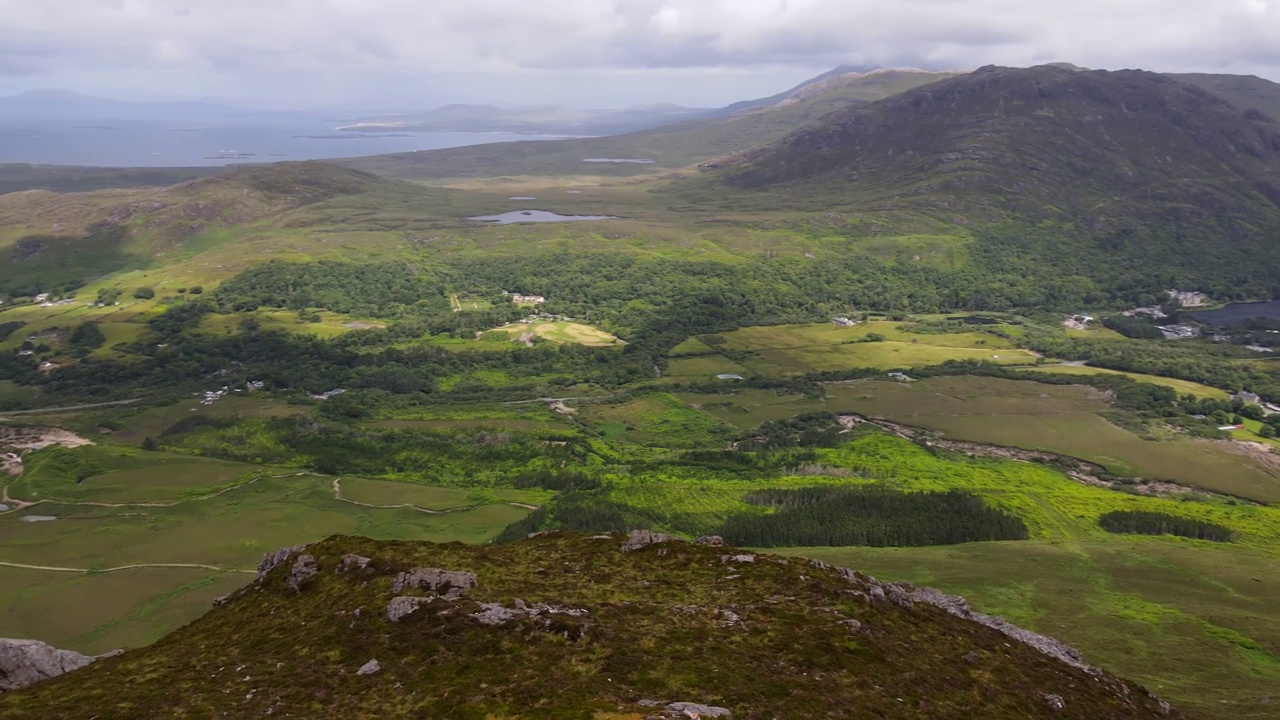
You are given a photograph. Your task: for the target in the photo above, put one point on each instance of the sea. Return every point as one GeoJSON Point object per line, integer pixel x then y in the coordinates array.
{"type": "Point", "coordinates": [203, 144]}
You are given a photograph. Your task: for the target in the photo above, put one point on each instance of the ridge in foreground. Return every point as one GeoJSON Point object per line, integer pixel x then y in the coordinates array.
{"type": "Point", "coordinates": [568, 626]}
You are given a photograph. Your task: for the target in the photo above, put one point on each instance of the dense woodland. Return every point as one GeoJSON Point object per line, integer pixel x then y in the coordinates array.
{"type": "Point", "coordinates": [877, 516]}
{"type": "Point", "coordinates": [1154, 523]}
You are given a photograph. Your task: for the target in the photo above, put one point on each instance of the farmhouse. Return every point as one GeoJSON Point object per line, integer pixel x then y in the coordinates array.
{"type": "Point", "coordinates": [518, 299]}
{"type": "Point", "coordinates": [1247, 397]}
{"type": "Point", "coordinates": [843, 321]}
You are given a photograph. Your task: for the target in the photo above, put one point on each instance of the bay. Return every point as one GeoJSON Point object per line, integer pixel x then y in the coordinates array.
{"type": "Point", "coordinates": [213, 143]}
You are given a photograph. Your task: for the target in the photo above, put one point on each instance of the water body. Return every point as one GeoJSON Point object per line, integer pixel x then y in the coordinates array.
{"type": "Point", "coordinates": [1239, 313]}
{"type": "Point", "coordinates": [536, 216]}
{"type": "Point", "coordinates": [184, 143]}
{"type": "Point", "coordinates": [639, 161]}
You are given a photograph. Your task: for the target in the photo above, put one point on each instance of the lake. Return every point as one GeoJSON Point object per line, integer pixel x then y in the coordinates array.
{"type": "Point", "coordinates": [535, 216]}
{"type": "Point", "coordinates": [1239, 313]}
{"type": "Point", "coordinates": [184, 143]}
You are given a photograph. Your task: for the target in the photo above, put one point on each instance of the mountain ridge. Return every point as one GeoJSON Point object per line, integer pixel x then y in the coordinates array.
{"type": "Point", "coordinates": [569, 626]}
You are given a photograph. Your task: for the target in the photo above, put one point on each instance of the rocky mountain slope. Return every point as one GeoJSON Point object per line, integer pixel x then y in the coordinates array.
{"type": "Point", "coordinates": [567, 626]}
{"type": "Point", "coordinates": [1041, 142]}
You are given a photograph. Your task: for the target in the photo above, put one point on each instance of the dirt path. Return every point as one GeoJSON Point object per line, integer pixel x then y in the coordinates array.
{"type": "Point", "coordinates": [337, 495]}
{"type": "Point", "coordinates": [194, 566]}
{"type": "Point", "coordinates": [68, 408]}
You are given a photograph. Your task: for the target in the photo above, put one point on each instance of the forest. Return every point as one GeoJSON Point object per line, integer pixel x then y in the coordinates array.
{"type": "Point", "coordinates": [876, 515]}
{"type": "Point", "coordinates": [1154, 523]}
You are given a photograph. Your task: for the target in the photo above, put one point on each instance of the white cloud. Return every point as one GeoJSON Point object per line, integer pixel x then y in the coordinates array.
{"type": "Point", "coordinates": [425, 37]}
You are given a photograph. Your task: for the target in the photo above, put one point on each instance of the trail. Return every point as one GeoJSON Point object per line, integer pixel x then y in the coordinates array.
{"type": "Point", "coordinates": [23, 504]}
{"type": "Point", "coordinates": [337, 495]}
{"type": "Point", "coordinates": [192, 566]}
{"type": "Point", "coordinates": [9, 413]}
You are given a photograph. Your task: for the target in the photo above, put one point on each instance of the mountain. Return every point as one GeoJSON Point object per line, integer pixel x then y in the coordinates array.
{"type": "Point", "coordinates": [568, 626]}
{"type": "Point", "coordinates": [1247, 92]}
{"type": "Point", "coordinates": [668, 147]}
{"type": "Point", "coordinates": [1042, 142]}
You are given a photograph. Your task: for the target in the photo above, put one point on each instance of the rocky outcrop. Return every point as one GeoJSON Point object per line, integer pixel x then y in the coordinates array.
{"type": "Point", "coordinates": [26, 662]}
{"type": "Point", "coordinates": [276, 557]}
{"type": "Point", "coordinates": [642, 538]}
{"type": "Point", "coordinates": [304, 568]}
{"type": "Point", "coordinates": [694, 710]}
{"type": "Point", "coordinates": [452, 582]}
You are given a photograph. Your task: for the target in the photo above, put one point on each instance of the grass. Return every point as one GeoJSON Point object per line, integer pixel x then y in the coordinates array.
{"type": "Point", "coordinates": [1183, 387]}
{"type": "Point", "coordinates": [799, 349]}
{"type": "Point", "coordinates": [564, 332]}
{"type": "Point", "coordinates": [331, 324]}
{"type": "Point", "coordinates": [789, 653]}
{"type": "Point", "coordinates": [1061, 419]}
{"type": "Point", "coordinates": [657, 420]}
{"type": "Point", "coordinates": [1193, 623]}
{"type": "Point", "coordinates": [231, 531]}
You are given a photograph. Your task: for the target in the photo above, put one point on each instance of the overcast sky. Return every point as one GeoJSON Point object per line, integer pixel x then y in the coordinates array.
{"type": "Point", "coordinates": [404, 54]}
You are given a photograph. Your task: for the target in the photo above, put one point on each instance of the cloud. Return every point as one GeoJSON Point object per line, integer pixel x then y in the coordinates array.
{"type": "Point", "coordinates": [424, 37]}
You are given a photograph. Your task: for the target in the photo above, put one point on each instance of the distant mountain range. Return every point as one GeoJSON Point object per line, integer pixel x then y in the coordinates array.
{"type": "Point", "coordinates": [62, 105]}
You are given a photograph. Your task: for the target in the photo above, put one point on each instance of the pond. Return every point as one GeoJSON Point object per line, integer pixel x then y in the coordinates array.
{"type": "Point", "coordinates": [535, 216]}
{"type": "Point", "coordinates": [1239, 313]}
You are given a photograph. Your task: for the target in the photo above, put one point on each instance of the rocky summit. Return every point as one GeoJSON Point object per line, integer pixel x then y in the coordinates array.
{"type": "Point", "coordinates": [569, 626]}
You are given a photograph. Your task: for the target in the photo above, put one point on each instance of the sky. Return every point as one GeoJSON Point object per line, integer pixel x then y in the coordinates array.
{"type": "Point", "coordinates": [402, 55]}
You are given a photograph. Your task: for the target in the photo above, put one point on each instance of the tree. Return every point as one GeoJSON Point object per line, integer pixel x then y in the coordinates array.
{"type": "Point", "coordinates": [195, 289]}
{"type": "Point", "coordinates": [144, 293]}
{"type": "Point", "coordinates": [1267, 431]}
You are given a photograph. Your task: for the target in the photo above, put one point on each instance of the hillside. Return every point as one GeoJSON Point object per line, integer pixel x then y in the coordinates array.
{"type": "Point", "coordinates": [566, 626]}
{"type": "Point", "coordinates": [669, 147]}
{"type": "Point", "coordinates": [1244, 91]}
{"type": "Point", "coordinates": [54, 241]}
{"type": "Point", "coordinates": [1041, 141]}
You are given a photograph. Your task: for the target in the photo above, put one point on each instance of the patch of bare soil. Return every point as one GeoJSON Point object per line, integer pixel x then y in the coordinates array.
{"type": "Point", "coordinates": [35, 438]}
{"type": "Point", "coordinates": [1260, 453]}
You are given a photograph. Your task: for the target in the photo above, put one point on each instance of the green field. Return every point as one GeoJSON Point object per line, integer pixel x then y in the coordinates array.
{"type": "Point", "coordinates": [564, 332]}
{"type": "Point", "coordinates": [1056, 418]}
{"type": "Point", "coordinates": [1183, 387]}
{"type": "Point", "coordinates": [229, 531]}
{"type": "Point", "coordinates": [800, 349]}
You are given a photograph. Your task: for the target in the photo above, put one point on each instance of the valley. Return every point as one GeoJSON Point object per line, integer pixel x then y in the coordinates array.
{"type": "Point", "coordinates": [869, 368]}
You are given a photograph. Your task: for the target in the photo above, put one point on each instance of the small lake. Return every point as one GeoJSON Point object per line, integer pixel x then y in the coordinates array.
{"type": "Point", "coordinates": [536, 216]}
{"type": "Point", "coordinates": [1239, 313]}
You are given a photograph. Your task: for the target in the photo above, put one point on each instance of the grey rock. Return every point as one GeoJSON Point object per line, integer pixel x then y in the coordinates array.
{"type": "Point", "coordinates": [729, 616]}
{"type": "Point", "coordinates": [649, 703]}
{"type": "Point", "coordinates": [4, 508]}
{"type": "Point", "coordinates": [959, 607]}
{"type": "Point", "coordinates": [711, 540]}
{"type": "Point", "coordinates": [354, 562]}
{"type": "Point", "coordinates": [745, 558]}
{"type": "Point", "coordinates": [274, 558]}
{"type": "Point", "coordinates": [402, 607]}
{"type": "Point", "coordinates": [853, 625]}
{"type": "Point", "coordinates": [495, 614]}
{"type": "Point", "coordinates": [1055, 702]}
{"type": "Point", "coordinates": [304, 568]}
{"type": "Point", "coordinates": [694, 710]}
{"type": "Point", "coordinates": [641, 538]}
{"type": "Point", "coordinates": [900, 597]}
{"type": "Point", "coordinates": [26, 662]}
{"type": "Point", "coordinates": [220, 600]}
{"type": "Point", "coordinates": [372, 667]}
{"type": "Point", "coordinates": [454, 582]}
{"type": "Point", "coordinates": [876, 593]}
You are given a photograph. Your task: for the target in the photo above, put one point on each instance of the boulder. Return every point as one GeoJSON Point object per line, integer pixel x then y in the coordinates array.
{"type": "Point", "coordinates": [372, 667]}
{"type": "Point", "coordinates": [304, 568]}
{"type": "Point", "coordinates": [26, 662]}
{"type": "Point", "coordinates": [354, 562]}
{"type": "Point", "coordinates": [276, 557]}
{"type": "Point", "coordinates": [711, 540]}
{"type": "Point", "coordinates": [402, 607]}
{"type": "Point", "coordinates": [453, 582]}
{"type": "Point", "coordinates": [641, 538]}
{"type": "Point", "coordinates": [694, 710]}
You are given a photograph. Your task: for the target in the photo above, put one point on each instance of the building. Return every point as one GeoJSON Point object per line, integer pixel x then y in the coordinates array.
{"type": "Point", "coordinates": [843, 321]}
{"type": "Point", "coordinates": [729, 376]}
{"type": "Point", "coordinates": [1247, 397]}
{"type": "Point", "coordinates": [518, 299]}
